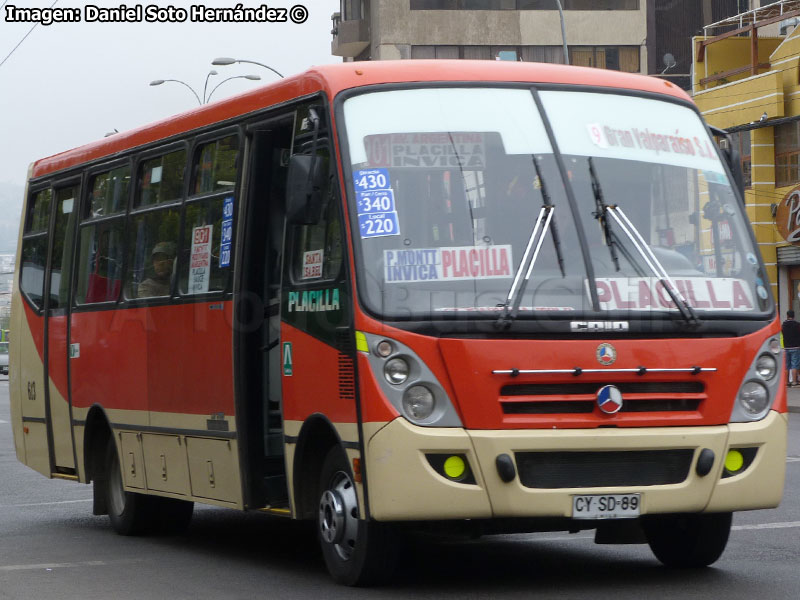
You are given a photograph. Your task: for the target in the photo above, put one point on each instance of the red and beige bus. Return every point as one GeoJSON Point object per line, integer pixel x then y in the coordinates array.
{"type": "Point", "coordinates": [481, 296]}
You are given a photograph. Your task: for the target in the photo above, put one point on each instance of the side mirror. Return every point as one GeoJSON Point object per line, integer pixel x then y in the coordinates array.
{"type": "Point", "coordinates": [731, 155]}
{"type": "Point", "coordinates": [305, 188]}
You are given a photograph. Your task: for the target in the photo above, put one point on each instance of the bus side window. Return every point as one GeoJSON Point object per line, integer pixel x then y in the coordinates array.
{"type": "Point", "coordinates": [34, 247]}
{"type": "Point", "coordinates": [205, 250]}
{"type": "Point", "coordinates": [151, 253]}
{"type": "Point", "coordinates": [317, 249]}
{"type": "Point", "coordinates": [100, 262]}
{"type": "Point", "coordinates": [161, 179]}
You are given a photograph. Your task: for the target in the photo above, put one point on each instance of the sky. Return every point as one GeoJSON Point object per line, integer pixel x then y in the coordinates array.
{"type": "Point", "coordinates": [71, 83]}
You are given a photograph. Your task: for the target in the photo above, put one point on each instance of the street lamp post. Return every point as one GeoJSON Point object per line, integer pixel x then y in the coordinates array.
{"type": "Point", "coordinates": [563, 32]}
{"type": "Point", "coordinates": [191, 89]}
{"type": "Point", "coordinates": [205, 87]}
{"type": "Point", "coordinates": [222, 61]}
{"type": "Point", "coordinates": [251, 77]}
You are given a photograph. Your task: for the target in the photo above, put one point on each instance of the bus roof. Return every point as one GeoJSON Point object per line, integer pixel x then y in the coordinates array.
{"type": "Point", "coordinates": [337, 77]}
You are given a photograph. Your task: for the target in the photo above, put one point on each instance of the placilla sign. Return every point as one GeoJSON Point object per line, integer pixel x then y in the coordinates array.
{"type": "Point", "coordinates": [447, 264]}
{"type": "Point", "coordinates": [435, 150]}
{"type": "Point", "coordinates": [648, 293]}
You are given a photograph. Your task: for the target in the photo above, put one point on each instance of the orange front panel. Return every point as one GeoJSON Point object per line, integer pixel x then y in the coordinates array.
{"type": "Point", "coordinates": [500, 401]}
{"type": "Point", "coordinates": [313, 386]}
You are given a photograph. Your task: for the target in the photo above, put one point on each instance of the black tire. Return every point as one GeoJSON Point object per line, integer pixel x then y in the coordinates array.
{"type": "Point", "coordinates": [688, 541]}
{"type": "Point", "coordinates": [130, 513]}
{"type": "Point", "coordinates": [170, 515]}
{"type": "Point", "coordinates": [356, 552]}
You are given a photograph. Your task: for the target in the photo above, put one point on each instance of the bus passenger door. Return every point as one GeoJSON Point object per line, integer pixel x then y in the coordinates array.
{"type": "Point", "coordinates": [258, 361]}
{"type": "Point", "coordinates": [57, 347]}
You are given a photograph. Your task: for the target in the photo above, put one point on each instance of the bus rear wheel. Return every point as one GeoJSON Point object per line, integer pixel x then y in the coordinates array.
{"type": "Point", "coordinates": [688, 541]}
{"type": "Point", "coordinates": [129, 512]}
{"type": "Point", "coordinates": [356, 552]}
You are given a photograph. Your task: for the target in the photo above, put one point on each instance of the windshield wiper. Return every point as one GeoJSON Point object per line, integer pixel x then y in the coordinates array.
{"type": "Point", "coordinates": [644, 250]}
{"type": "Point", "coordinates": [511, 305]}
{"type": "Point", "coordinates": [547, 202]}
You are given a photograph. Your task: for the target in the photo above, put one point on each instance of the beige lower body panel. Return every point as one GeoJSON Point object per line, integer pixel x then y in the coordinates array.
{"type": "Point", "coordinates": [403, 485]}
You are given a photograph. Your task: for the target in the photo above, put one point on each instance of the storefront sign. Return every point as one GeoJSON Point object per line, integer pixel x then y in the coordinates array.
{"type": "Point", "coordinates": [787, 217]}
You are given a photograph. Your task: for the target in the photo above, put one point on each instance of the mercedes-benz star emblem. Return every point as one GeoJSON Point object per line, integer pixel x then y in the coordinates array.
{"type": "Point", "coordinates": [609, 399]}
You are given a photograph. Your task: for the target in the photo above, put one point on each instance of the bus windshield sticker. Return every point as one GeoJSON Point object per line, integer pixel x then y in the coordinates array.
{"type": "Point", "coordinates": [155, 174]}
{"type": "Point", "coordinates": [227, 232]}
{"type": "Point", "coordinates": [714, 177]}
{"type": "Point", "coordinates": [447, 264]}
{"type": "Point", "coordinates": [200, 259]}
{"type": "Point", "coordinates": [433, 150]}
{"type": "Point", "coordinates": [312, 264]}
{"type": "Point", "coordinates": [377, 214]}
{"type": "Point", "coordinates": [647, 293]}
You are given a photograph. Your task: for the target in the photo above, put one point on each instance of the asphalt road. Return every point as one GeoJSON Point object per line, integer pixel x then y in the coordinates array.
{"type": "Point", "coordinates": [52, 547]}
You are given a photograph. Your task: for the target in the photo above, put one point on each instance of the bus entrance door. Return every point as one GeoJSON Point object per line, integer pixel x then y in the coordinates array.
{"type": "Point", "coordinates": [260, 361]}
{"type": "Point", "coordinates": [59, 410]}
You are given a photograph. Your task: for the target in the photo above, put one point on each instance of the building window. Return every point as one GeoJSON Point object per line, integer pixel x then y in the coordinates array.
{"type": "Point", "coordinates": [619, 58]}
{"type": "Point", "coordinates": [787, 154]}
{"type": "Point", "coordinates": [741, 141]}
{"type": "Point", "coordinates": [615, 58]}
{"type": "Point", "coordinates": [523, 5]}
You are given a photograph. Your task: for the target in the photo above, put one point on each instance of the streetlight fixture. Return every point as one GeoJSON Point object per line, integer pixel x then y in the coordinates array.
{"type": "Point", "coordinates": [205, 87]}
{"type": "Point", "coordinates": [250, 77]}
{"type": "Point", "coordinates": [191, 89]}
{"type": "Point", "coordinates": [224, 60]}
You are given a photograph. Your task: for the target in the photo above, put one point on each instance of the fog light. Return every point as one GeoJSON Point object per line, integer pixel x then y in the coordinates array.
{"type": "Point", "coordinates": [734, 461]}
{"type": "Point", "coordinates": [454, 467]}
{"type": "Point", "coordinates": [384, 348]}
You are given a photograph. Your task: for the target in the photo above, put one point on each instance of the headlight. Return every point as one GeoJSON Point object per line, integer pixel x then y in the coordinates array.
{"type": "Point", "coordinates": [396, 371]}
{"type": "Point", "coordinates": [754, 398]}
{"type": "Point", "coordinates": [418, 402]}
{"type": "Point", "coordinates": [775, 346]}
{"type": "Point", "coordinates": [766, 366]}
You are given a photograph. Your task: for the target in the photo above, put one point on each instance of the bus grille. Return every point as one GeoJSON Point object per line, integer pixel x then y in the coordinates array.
{"type": "Point", "coordinates": [580, 398]}
{"type": "Point", "coordinates": [551, 470]}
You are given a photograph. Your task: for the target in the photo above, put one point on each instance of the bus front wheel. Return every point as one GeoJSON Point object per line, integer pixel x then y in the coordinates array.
{"type": "Point", "coordinates": [357, 552]}
{"type": "Point", "coordinates": [692, 541]}
{"type": "Point", "coordinates": [129, 512]}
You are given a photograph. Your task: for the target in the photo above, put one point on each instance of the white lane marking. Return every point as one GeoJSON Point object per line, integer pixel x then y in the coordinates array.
{"type": "Point", "coordinates": [792, 459]}
{"type": "Point", "coordinates": [3, 422]}
{"type": "Point", "coordinates": [43, 503]}
{"type": "Point", "coordinates": [51, 566]}
{"type": "Point", "coordinates": [784, 525]}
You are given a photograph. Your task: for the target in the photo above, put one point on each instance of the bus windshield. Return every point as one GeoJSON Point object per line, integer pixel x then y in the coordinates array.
{"type": "Point", "coordinates": [453, 190]}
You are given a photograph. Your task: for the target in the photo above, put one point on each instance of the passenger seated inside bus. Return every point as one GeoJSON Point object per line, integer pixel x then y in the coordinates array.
{"type": "Point", "coordinates": [158, 284]}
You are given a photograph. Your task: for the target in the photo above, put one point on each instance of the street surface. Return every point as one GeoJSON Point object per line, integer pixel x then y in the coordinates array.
{"type": "Point", "coordinates": [51, 547]}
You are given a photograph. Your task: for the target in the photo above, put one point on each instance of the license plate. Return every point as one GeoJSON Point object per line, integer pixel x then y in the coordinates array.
{"type": "Point", "coordinates": [606, 506]}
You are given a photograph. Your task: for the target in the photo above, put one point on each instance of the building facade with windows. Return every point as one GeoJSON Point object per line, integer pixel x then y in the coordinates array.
{"type": "Point", "coordinates": [639, 36]}
{"type": "Point", "coordinates": [747, 81]}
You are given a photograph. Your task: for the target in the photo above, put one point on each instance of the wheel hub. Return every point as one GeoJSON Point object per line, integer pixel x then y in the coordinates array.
{"type": "Point", "coordinates": [338, 515]}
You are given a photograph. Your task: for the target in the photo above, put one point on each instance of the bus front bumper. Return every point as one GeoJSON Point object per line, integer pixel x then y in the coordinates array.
{"type": "Point", "coordinates": [406, 481]}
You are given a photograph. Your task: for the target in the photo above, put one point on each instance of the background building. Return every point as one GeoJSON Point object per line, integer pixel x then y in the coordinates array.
{"type": "Point", "coordinates": [642, 36]}
{"type": "Point", "coordinates": [747, 80]}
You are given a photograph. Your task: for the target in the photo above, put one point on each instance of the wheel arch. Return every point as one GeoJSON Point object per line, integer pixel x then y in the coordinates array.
{"type": "Point", "coordinates": [317, 436]}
